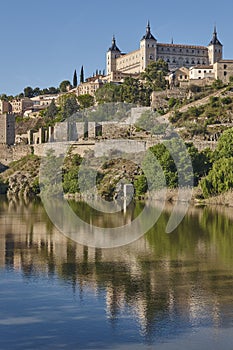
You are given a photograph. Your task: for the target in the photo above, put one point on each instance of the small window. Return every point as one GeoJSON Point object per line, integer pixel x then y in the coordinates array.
{"type": "Point", "coordinates": [225, 66]}
{"type": "Point", "coordinates": [225, 73]}
{"type": "Point", "coordinates": [181, 76]}
{"type": "Point", "coordinates": [199, 71]}
{"type": "Point", "coordinates": [204, 71]}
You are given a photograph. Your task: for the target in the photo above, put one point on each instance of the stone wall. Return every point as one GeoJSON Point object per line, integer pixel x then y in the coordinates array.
{"type": "Point", "coordinates": [9, 154]}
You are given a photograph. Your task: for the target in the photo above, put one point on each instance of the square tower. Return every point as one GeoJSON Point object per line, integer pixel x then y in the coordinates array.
{"type": "Point", "coordinates": [7, 129]}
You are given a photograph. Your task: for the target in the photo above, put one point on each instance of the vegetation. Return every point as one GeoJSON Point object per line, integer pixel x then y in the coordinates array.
{"type": "Point", "coordinates": [220, 178]}
{"type": "Point", "coordinates": [134, 90]}
{"type": "Point", "coordinates": [75, 79]}
{"type": "Point", "coordinates": [85, 101]}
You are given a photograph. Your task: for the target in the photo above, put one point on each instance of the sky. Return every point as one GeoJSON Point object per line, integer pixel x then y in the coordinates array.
{"type": "Point", "coordinates": [44, 41]}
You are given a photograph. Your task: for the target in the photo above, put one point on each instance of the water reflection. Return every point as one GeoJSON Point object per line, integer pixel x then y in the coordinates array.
{"type": "Point", "coordinates": [167, 284]}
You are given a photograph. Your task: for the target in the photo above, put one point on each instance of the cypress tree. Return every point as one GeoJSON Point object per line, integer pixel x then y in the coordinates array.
{"type": "Point", "coordinates": [75, 79]}
{"type": "Point", "coordinates": [82, 75]}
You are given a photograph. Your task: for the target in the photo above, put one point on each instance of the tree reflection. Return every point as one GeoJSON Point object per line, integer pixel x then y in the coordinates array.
{"type": "Point", "coordinates": [187, 273]}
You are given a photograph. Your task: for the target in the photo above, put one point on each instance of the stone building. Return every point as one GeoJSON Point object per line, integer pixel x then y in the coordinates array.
{"type": "Point", "coordinates": [176, 55]}
{"type": "Point", "coordinates": [7, 129]}
{"type": "Point", "coordinates": [224, 70]}
{"type": "Point", "coordinates": [20, 105]}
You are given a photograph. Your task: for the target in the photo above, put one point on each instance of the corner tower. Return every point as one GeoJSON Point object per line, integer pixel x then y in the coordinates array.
{"type": "Point", "coordinates": [112, 54]}
{"type": "Point", "coordinates": [215, 48]}
{"type": "Point", "coordinates": [148, 48]}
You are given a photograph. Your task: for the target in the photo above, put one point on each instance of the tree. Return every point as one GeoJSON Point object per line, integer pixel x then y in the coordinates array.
{"type": "Point", "coordinates": [75, 79]}
{"type": "Point", "coordinates": [225, 145]}
{"type": "Point", "coordinates": [36, 91]}
{"type": "Point", "coordinates": [52, 110]}
{"type": "Point", "coordinates": [28, 92]}
{"type": "Point", "coordinates": [85, 101]}
{"type": "Point", "coordinates": [70, 180]}
{"type": "Point", "coordinates": [109, 92]}
{"type": "Point", "coordinates": [82, 75]}
{"type": "Point", "coordinates": [64, 86]}
{"type": "Point", "coordinates": [154, 75]}
{"type": "Point", "coordinates": [70, 107]}
{"type": "Point", "coordinates": [219, 179]}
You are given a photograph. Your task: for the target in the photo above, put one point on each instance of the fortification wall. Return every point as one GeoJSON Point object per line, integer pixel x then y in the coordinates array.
{"type": "Point", "coordinates": [9, 154]}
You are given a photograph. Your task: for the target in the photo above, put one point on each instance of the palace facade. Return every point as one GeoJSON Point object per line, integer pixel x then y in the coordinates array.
{"type": "Point", "coordinates": [119, 64]}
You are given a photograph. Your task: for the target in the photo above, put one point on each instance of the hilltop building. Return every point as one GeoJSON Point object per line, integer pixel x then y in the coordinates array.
{"type": "Point", "coordinates": [119, 64]}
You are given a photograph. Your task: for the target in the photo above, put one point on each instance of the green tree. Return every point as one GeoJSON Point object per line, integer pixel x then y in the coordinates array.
{"type": "Point", "coordinates": [64, 85]}
{"type": "Point", "coordinates": [82, 75]}
{"type": "Point", "coordinates": [154, 75]}
{"type": "Point", "coordinates": [108, 93]}
{"type": "Point", "coordinates": [52, 110]}
{"type": "Point", "coordinates": [75, 79]}
{"type": "Point", "coordinates": [28, 92]}
{"type": "Point", "coordinates": [70, 107]}
{"type": "Point", "coordinates": [225, 145]}
{"type": "Point", "coordinates": [70, 180]}
{"type": "Point", "coordinates": [219, 179]}
{"type": "Point", "coordinates": [36, 91]}
{"type": "Point", "coordinates": [140, 185]}
{"type": "Point", "coordinates": [85, 101]}
{"type": "Point", "coordinates": [49, 179]}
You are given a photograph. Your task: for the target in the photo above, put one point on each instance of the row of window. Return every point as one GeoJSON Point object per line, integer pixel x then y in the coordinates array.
{"type": "Point", "coordinates": [186, 61]}
{"type": "Point", "coordinates": [181, 50]}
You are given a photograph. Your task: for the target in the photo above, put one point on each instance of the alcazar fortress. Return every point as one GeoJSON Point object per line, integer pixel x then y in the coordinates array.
{"type": "Point", "coordinates": [207, 60]}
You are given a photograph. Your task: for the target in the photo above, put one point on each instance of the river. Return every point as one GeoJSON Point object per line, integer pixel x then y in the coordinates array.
{"type": "Point", "coordinates": [162, 291]}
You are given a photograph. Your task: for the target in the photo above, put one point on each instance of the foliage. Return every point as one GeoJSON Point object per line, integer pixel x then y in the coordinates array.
{"type": "Point", "coordinates": [52, 110]}
{"type": "Point", "coordinates": [176, 164]}
{"type": "Point", "coordinates": [70, 180]}
{"type": "Point", "coordinates": [85, 101]}
{"type": "Point", "coordinates": [154, 75]}
{"type": "Point", "coordinates": [28, 92]}
{"type": "Point", "coordinates": [225, 145]}
{"type": "Point", "coordinates": [219, 179]}
{"type": "Point", "coordinates": [75, 79]}
{"type": "Point", "coordinates": [133, 91]}
{"type": "Point", "coordinates": [69, 106]}
{"type": "Point", "coordinates": [109, 93]}
{"type": "Point", "coordinates": [147, 121]}
{"type": "Point", "coordinates": [140, 185]}
{"type": "Point", "coordinates": [109, 112]}
{"type": "Point", "coordinates": [64, 85]}
{"type": "Point", "coordinates": [82, 75]}
{"type": "Point", "coordinates": [217, 84]}
{"type": "Point", "coordinates": [50, 179]}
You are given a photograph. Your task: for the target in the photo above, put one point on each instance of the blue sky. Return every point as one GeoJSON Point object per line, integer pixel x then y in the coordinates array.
{"type": "Point", "coordinates": [42, 42]}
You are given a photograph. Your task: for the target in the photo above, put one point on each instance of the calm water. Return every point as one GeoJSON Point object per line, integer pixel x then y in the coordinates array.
{"type": "Point", "coordinates": [164, 291]}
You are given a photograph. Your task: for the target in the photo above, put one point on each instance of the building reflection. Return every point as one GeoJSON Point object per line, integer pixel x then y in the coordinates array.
{"type": "Point", "coordinates": [188, 273]}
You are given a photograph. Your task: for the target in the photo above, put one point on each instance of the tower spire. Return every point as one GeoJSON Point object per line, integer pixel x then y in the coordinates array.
{"type": "Point", "coordinates": [114, 46]}
{"type": "Point", "coordinates": [148, 34]}
{"type": "Point", "coordinates": [215, 40]}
